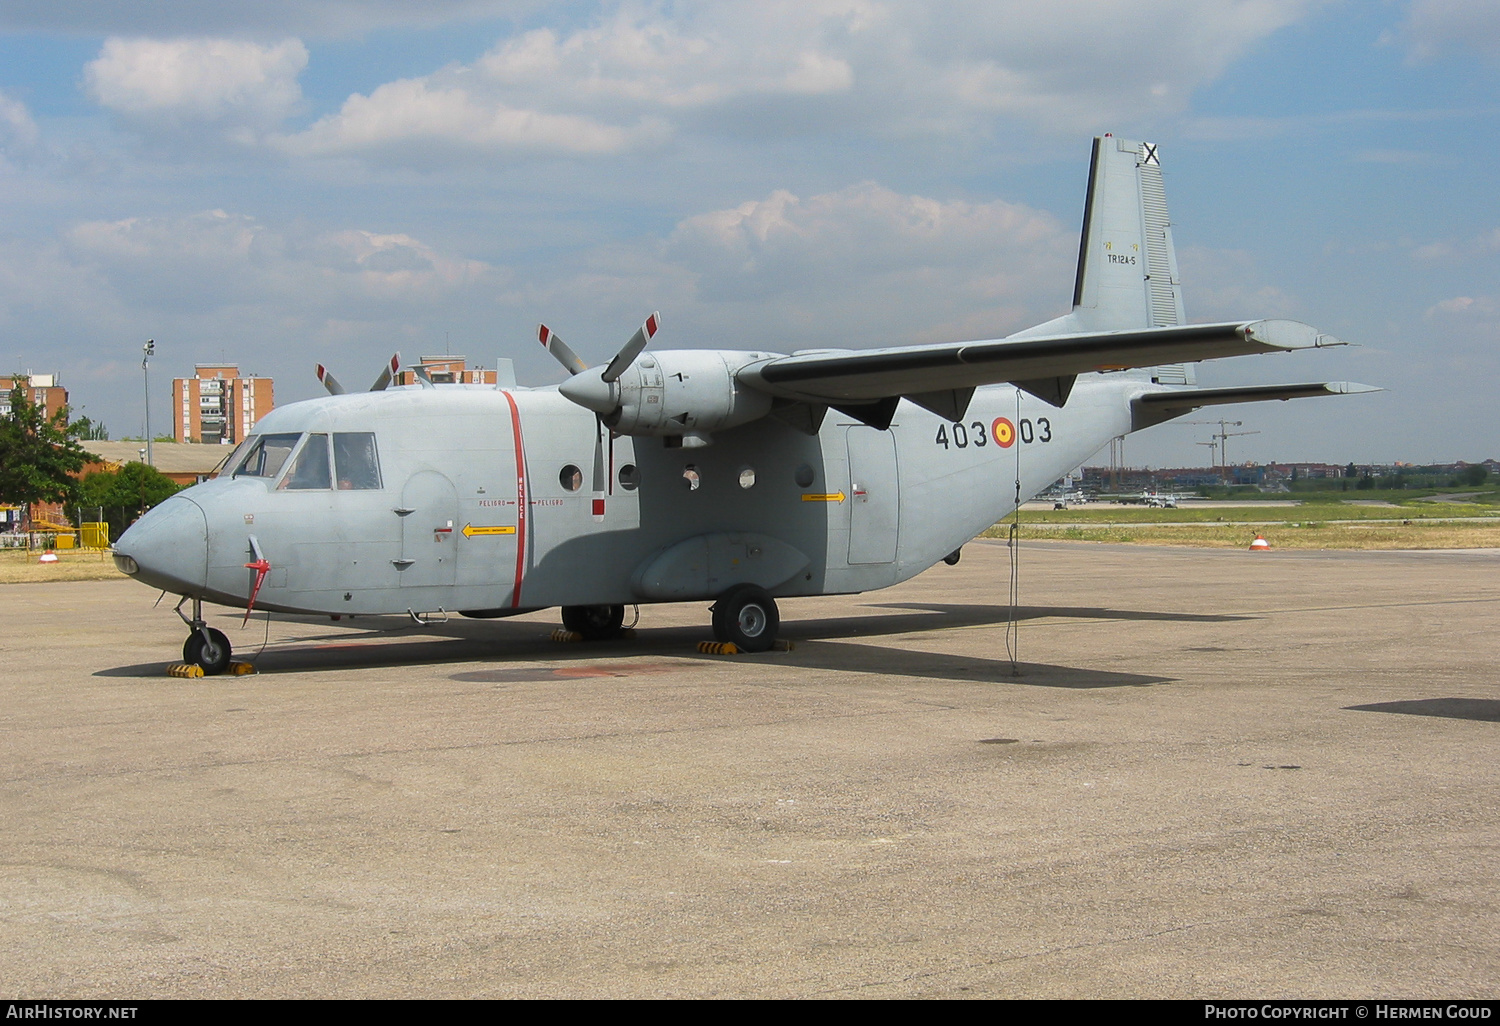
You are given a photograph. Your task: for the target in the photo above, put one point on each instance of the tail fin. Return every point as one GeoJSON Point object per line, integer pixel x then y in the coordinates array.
{"type": "Point", "coordinates": [1127, 267]}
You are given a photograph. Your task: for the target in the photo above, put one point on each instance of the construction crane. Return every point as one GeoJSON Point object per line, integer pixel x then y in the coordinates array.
{"type": "Point", "coordinates": [1221, 437]}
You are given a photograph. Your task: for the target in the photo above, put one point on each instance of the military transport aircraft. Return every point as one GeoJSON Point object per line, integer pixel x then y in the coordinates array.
{"type": "Point", "coordinates": [702, 474]}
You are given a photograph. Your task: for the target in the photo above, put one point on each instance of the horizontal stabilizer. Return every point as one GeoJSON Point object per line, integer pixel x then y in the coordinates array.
{"type": "Point", "coordinates": [1156, 407]}
{"type": "Point", "coordinates": [858, 377]}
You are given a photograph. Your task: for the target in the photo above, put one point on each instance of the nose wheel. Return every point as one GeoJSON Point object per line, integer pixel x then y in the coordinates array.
{"type": "Point", "coordinates": [205, 646]}
{"type": "Point", "coordinates": [746, 616]}
{"type": "Point", "coordinates": [209, 648]}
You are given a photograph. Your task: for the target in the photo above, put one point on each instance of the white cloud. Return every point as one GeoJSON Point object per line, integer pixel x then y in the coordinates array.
{"type": "Point", "coordinates": [862, 266]}
{"type": "Point", "coordinates": [213, 259]}
{"type": "Point", "coordinates": [1482, 244]}
{"type": "Point", "coordinates": [412, 112]}
{"type": "Point", "coordinates": [1437, 26]}
{"type": "Point", "coordinates": [636, 73]}
{"type": "Point", "coordinates": [1227, 284]}
{"type": "Point", "coordinates": [198, 80]}
{"type": "Point", "coordinates": [19, 137]}
{"type": "Point", "coordinates": [233, 17]}
{"type": "Point", "coordinates": [1465, 306]}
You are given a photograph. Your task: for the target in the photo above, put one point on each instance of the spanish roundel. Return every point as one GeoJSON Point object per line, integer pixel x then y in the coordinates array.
{"type": "Point", "coordinates": [1004, 432]}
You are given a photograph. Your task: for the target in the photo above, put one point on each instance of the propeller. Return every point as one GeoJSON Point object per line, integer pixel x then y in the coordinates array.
{"type": "Point", "coordinates": [329, 381]}
{"type": "Point", "coordinates": [599, 394]}
{"type": "Point", "coordinates": [560, 349]}
{"type": "Point", "coordinates": [625, 357]}
{"type": "Point", "coordinates": [386, 373]}
{"type": "Point", "coordinates": [336, 388]}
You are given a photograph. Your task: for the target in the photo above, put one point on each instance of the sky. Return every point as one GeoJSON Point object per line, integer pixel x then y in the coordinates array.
{"type": "Point", "coordinates": [283, 183]}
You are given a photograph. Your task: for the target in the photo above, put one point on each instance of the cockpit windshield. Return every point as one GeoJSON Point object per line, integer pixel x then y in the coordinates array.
{"type": "Point", "coordinates": [354, 464]}
{"type": "Point", "coordinates": [310, 469]}
{"type": "Point", "coordinates": [266, 455]}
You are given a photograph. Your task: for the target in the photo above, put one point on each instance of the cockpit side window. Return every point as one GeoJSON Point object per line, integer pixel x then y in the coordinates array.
{"type": "Point", "coordinates": [310, 470]}
{"type": "Point", "coordinates": [266, 455]}
{"type": "Point", "coordinates": [355, 460]}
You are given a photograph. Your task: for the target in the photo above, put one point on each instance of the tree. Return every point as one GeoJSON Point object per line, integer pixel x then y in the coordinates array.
{"type": "Point", "coordinates": [1473, 475]}
{"type": "Point", "coordinates": [88, 430]}
{"type": "Point", "coordinates": [124, 494]}
{"type": "Point", "coordinates": [38, 456]}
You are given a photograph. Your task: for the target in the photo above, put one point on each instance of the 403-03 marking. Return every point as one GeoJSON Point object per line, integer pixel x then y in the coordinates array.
{"type": "Point", "coordinates": [961, 436]}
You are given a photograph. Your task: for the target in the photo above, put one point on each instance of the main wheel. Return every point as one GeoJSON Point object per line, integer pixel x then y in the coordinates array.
{"type": "Point", "coordinates": [595, 623]}
{"type": "Point", "coordinates": [212, 653]}
{"type": "Point", "coordinates": [746, 615]}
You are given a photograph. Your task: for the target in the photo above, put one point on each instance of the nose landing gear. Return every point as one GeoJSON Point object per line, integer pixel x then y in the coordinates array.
{"type": "Point", "coordinates": [205, 646]}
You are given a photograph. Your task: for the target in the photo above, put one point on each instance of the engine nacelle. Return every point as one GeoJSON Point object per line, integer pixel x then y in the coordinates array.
{"type": "Point", "coordinates": [673, 393]}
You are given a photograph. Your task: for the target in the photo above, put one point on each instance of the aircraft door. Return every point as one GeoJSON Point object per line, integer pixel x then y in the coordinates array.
{"type": "Point", "coordinates": [429, 514]}
{"type": "Point", "coordinates": [874, 496]}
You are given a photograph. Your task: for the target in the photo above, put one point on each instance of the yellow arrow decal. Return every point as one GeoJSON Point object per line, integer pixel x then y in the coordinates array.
{"type": "Point", "coordinates": [835, 497]}
{"type": "Point", "coordinates": [470, 530]}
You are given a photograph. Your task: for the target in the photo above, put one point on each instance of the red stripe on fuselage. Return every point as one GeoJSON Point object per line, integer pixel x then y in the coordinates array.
{"type": "Point", "coordinates": [522, 502]}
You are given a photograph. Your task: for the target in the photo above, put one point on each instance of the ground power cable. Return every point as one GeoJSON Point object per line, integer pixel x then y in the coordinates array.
{"type": "Point", "coordinates": [1013, 542]}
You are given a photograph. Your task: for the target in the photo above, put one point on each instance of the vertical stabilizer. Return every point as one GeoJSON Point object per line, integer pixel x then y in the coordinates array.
{"type": "Point", "coordinates": [1127, 267]}
{"type": "Point", "coordinates": [1127, 270]}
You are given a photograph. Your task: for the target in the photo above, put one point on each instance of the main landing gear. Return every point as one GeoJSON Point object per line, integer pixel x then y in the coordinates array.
{"type": "Point", "coordinates": [205, 646]}
{"type": "Point", "coordinates": [746, 616]}
{"type": "Point", "coordinates": [594, 623]}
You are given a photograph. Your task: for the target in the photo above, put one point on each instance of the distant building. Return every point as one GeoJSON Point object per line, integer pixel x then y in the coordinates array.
{"type": "Point", "coordinates": [184, 464]}
{"type": "Point", "coordinates": [45, 392]}
{"type": "Point", "coordinates": [217, 406]}
{"type": "Point", "coordinates": [448, 370]}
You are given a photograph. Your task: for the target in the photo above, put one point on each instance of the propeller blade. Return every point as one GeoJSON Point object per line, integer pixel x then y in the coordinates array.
{"type": "Point", "coordinates": [560, 350]}
{"type": "Point", "coordinates": [329, 381]}
{"type": "Point", "coordinates": [625, 357]}
{"type": "Point", "coordinates": [599, 479]}
{"type": "Point", "coordinates": [386, 373]}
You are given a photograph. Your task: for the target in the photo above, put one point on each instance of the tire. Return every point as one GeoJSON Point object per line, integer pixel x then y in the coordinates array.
{"type": "Point", "coordinates": [211, 653]}
{"type": "Point", "coordinates": [746, 616]}
{"type": "Point", "coordinates": [595, 623]}
{"type": "Point", "coordinates": [953, 557]}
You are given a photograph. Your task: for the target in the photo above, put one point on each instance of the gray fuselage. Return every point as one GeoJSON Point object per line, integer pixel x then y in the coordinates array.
{"type": "Point", "coordinates": [486, 503]}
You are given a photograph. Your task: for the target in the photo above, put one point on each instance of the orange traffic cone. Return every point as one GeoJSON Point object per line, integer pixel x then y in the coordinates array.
{"type": "Point", "coordinates": [48, 557]}
{"type": "Point", "coordinates": [1260, 545]}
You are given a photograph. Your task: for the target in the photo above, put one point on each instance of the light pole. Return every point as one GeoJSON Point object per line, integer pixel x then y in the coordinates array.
{"type": "Point", "coordinates": [150, 350]}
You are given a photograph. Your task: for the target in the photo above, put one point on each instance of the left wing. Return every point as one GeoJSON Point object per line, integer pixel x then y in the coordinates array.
{"type": "Point", "coordinates": [942, 377]}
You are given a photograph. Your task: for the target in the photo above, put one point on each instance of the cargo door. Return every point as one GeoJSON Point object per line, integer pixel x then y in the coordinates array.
{"type": "Point", "coordinates": [874, 496]}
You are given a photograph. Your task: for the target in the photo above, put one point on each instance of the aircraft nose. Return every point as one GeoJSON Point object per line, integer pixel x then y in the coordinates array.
{"type": "Point", "coordinates": [168, 547]}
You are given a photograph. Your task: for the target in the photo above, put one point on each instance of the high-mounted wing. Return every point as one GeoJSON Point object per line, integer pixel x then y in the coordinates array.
{"type": "Point", "coordinates": [1045, 366]}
